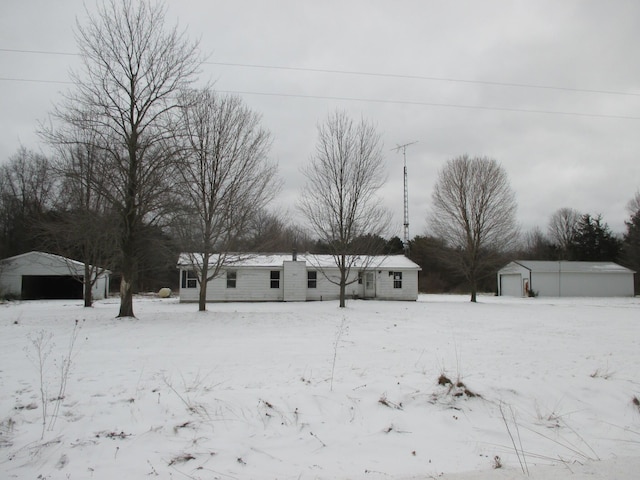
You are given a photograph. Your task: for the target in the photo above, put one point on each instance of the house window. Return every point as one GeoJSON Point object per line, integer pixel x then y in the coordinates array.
{"type": "Point", "coordinates": [359, 278]}
{"type": "Point", "coordinates": [312, 279]}
{"type": "Point", "coordinates": [397, 279]}
{"type": "Point", "coordinates": [232, 275]}
{"type": "Point", "coordinates": [189, 279]}
{"type": "Point", "coordinates": [275, 279]}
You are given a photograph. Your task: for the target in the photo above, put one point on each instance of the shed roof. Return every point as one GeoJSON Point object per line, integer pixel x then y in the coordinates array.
{"type": "Point", "coordinates": [541, 266]}
{"type": "Point", "coordinates": [274, 260]}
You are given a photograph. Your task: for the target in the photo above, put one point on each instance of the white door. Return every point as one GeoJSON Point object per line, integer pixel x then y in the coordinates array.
{"type": "Point", "coordinates": [511, 285]}
{"type": "Point", "coordinates": [369, 285]}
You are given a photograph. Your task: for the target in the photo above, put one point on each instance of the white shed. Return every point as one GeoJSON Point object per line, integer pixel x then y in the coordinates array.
{"type": "Point", "coordinates": [565, 279]}
{"type": "Point", "coordinates": [283, 277]}
{"type": "Point", "coordinates": [39, 275]}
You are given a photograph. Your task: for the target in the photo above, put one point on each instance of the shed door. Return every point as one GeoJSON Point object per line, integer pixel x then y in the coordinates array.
{"type": "Point", "coordinates": [511, 285]}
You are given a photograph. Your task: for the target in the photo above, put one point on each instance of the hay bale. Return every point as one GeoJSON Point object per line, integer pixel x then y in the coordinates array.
{"type": "Point", "coordinates": [164, 292]}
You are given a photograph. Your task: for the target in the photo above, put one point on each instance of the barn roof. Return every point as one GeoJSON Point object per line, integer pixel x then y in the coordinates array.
{"type": "Point", "coordinates": [273, 260]}
{"type": "Point", "coordinates": [541, 266]}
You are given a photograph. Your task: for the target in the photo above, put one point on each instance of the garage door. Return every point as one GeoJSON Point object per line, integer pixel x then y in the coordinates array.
{"type": "Point", "coordinates": [511, 285]}
{"type": "Point", "coordinates": [36, 287]}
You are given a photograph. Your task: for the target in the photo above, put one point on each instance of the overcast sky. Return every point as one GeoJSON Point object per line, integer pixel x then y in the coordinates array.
{"type": "Point", "coordinates": [550, 89]}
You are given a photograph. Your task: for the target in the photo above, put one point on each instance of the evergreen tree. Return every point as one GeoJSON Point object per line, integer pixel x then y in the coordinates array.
{"type": "Point", "coordinates": [593, 241]}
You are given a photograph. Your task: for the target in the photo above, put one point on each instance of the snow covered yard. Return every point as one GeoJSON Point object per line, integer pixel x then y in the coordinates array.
{"type": "Point", "coordinates": [307, 390]}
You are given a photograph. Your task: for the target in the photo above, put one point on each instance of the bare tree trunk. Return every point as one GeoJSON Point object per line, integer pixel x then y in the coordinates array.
{"type": "Point", "coordinates": [128, 275]}
{"type": "Point", "coordinates": [204, 281]}
{"type": "Point", "coordinates": [86, 284]}
{"type": "Point", "coordinates": [343, 280]}
{"type": "Point", "coordinates": [126, 297]}
{"type": "Point", "coordinates": [474, 291]}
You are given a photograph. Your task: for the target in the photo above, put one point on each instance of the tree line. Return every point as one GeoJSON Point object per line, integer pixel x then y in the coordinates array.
{"type": "Point", "coordinates": [145, 165]}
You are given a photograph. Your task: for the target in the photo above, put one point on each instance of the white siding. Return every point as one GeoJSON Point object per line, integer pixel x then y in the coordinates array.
{"type": "Point", "coordinates": [385, 289]}
{"type": "Point", "coordinates": [252, 285]}
{"type": "Point", "coordinates": [328, 288]}
{"type": "Point", "coordinates": [583, 284]}
{"type": "Point", "coordinates": [10, 283]}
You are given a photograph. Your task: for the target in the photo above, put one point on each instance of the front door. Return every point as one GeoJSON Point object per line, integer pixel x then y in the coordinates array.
{"type": "Point", "coordinates": [369, 285]}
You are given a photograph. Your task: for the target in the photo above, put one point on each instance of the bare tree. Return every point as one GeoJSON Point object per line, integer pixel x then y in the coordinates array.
{"type": "Point", "coordinates": [562, 229]}
{"type": "Point", "coordinates": [272, 231]}
{"type": "Point", "coordinates": [227, 178]}
{"type": "Point", "coordinates": [633, 206]}
{"type": "Point", "coordinates": [536, 245]}
{"type": "Point", "coordinates": [473, 213]}
{"type": "Point", "coordinates": [132, 70]}
{"type": "Point", "coordinates": [27, 189]}
{"type": "Point", "coordinates": [339, 199]}
{"type": "Point", "coordinates": [84, 226]}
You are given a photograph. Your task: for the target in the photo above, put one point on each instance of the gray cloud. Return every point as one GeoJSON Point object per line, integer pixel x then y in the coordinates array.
{"type": "Point", "coordinates": [553, 160]}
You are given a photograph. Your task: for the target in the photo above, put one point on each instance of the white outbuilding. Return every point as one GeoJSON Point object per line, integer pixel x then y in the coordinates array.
{"type": "Point", "coordinates": [565, 279]}
{"type": "Point", "coordinates": [298, 278]}
{"type": "Point", "coordinates": [40, 275]}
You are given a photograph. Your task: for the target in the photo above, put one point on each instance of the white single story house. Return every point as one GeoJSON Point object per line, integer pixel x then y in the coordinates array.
{"type": "Point", "coordinates": [565, 279]}
{"type": "Point", "coordinates": [39, 275]}
{"type": "Point", "coordinates": [298, 278]}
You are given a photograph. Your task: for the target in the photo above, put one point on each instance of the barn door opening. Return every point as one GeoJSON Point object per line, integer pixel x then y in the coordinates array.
{"type": "Point", "coordinates": [37, 287]}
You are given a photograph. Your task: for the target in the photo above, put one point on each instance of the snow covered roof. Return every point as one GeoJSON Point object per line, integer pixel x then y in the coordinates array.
{"type": "Point", "coordinates": [273, 260]}
{"type": "Point", "coordinates": [46, 259]}
{"type": "Point", "coordinates": [541, 266]}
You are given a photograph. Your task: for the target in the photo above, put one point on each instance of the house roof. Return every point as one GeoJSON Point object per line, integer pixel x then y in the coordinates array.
{"type": "Point", "coordinates": [273, 260]}
{"type": "Point", "coordinates": [540, 266]}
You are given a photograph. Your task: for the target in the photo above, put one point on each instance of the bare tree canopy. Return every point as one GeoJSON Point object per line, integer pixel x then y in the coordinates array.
{"type": "Point", "coordinates": [27, 191]}
{"type": "Point", "coordinates": [340, 197]}
{"type": "Point", "coordinates": [633, 206]}
{"type": "Point", "coordinates": [126, 93]}
{"type": "Point", "coordinates": [562, 229]}
{"type": "Point", "coordinates": [474, 213]}
{"type": "Point", "coordinates": [227, 178]}
{"type": "Point", "coordinates": [84, 226]}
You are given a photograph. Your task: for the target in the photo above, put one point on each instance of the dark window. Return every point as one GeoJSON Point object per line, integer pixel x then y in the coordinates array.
{"type": "Point", "coordinates": [232, 275]}
{"type": "Point", "coordinates": [312, 279]}
{"type": "Point", "coordinates": [189, 279]}
{"type": "Point", "coordinates": [275, 279]}
{"type": "Point", "coordinates": [359, 278]}
{"type": "Point", "coordinates": [397, 279]}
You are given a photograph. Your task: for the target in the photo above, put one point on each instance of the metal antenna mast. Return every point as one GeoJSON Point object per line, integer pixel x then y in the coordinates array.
{"type": "Point", "coordinates": [406, 195]}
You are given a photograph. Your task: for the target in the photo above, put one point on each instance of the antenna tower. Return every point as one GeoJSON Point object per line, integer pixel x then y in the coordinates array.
{"type": "Point", "coordinates": [406, 196]}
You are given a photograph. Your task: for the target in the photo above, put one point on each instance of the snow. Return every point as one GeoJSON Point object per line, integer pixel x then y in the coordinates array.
{"type": "Point", "coordinates": [311, 391]}
{"type": "Point", "coordinates": [319, 261]}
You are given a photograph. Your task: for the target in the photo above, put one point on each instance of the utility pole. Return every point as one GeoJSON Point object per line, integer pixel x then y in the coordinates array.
{"type": "Point", "coordinates": [406, 196]}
